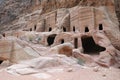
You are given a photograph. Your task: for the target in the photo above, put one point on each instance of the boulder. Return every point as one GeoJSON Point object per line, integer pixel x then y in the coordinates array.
{"type": "Point", "coordinates": [15, 50]}
{"type": "Point", "coordinates": [107, 58]}
{"type": "Point", "coordinates": [65, 49]}
{"type": "Point", "coordinates": [30, 66]}
{"type": "Point", "coordinates": [85, 58]}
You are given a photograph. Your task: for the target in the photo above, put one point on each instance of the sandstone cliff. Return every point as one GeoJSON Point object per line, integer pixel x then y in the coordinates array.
{"type": "Point", "coordinates": [11, 9]}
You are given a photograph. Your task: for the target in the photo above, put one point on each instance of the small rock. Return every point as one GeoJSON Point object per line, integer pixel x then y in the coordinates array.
{"type": "Point", "coordinates": [70, 70]}
{"type": "Point", "coordinates": [104, 75]}
{"type": "Point", "coordinates": [96, 69]}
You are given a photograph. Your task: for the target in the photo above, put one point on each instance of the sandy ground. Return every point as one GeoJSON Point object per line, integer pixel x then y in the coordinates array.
{"type": "Point", "coordinates": [69, 73]}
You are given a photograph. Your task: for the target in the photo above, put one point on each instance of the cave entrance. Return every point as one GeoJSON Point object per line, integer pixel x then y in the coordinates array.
{"type": "Point", "coordinates": [76, 42]}
{"type": "Point", "coordinates": [73, 28]}
{"type": "Point", "coordinates": [64, 29]}
{"type": "Point", "coordinates": [86, 29]}
{"type": "Point", "coordinates": [89, 45]}
{"type": "Point", "coordinates": [51, 39]}
{"type": "Point", "coordinates": [100, 27]}
{"type": "Point", "coordinates": [62, 41]}
{"type": "Point", "coordinates": [35, 28]}
{"type": "Point", "coordinates": [3, 34]}
{"type": "Point", "coordinates": [1, 61]}
{"type": "Point", "coordinates": [30, 29]}
{"type": "Point", "coordinates": [50, 29]}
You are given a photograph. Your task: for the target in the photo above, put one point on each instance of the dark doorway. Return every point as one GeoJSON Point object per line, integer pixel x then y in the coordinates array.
{"type": "Point", "coordinates": [3, 34]}
{"type": "Point", "coordinates": [73, 28]}
{"type": "Point", "coordinates": [1, 61]}
{"type": "Point", "coordinates": [51, 39]}
{"type": "Point", "coordinates": [89, 45]}
{"type": "Point", "coordinates": [30, 29]}
{"type": "Point", "coordinates": [76, 42]}
{"type": "Point", "coordinates": [35, 28]}
{"type": "Point", "coordinates": [50, 29]}
{"type": "Point", "coordinates": [64, 29]}
{"type": "Point", "coordinates": [86, 29]}
{"type": "Point", "coordinates": [100, 27]}
{"type": "Point", "coordinates": [62, 41]}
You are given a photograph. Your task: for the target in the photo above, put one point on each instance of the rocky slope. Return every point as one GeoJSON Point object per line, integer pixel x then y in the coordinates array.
{"type": "Point", "coordinates": [117, 8]}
